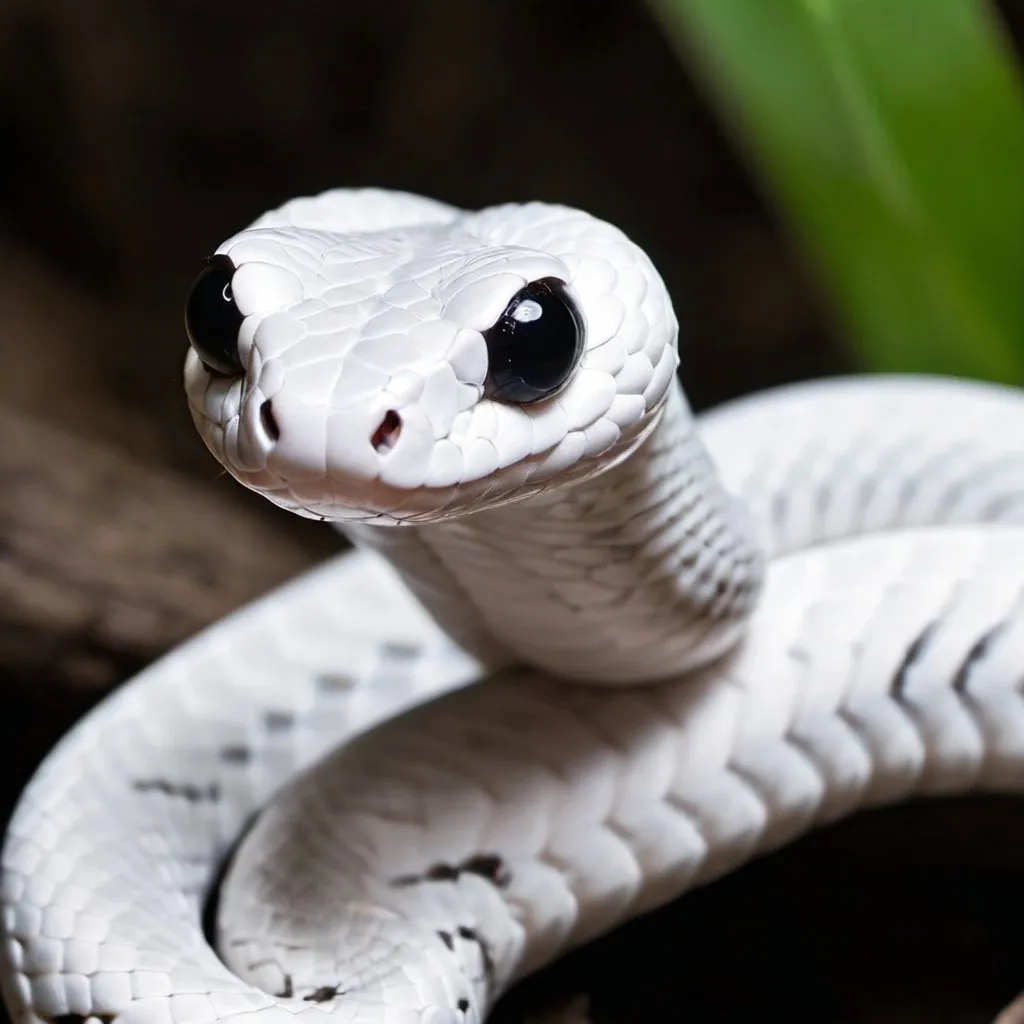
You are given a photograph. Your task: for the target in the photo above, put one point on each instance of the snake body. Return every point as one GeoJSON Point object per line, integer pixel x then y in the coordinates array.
{"type": "Point", "coordinates": [680, 641]}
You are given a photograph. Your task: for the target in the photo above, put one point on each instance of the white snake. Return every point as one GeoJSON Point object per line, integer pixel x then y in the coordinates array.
{"type": "Point", "coordinates": [377, 358]}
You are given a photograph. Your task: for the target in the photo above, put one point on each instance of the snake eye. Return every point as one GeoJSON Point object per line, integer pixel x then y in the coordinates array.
{"type": "Point", "coordinates": [212, 319]}
{"type": "Point", "coordinates": [536, 344]}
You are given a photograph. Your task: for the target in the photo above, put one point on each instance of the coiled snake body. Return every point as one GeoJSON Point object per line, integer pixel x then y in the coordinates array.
{"type": "Point", "coordinates": [698, 638]}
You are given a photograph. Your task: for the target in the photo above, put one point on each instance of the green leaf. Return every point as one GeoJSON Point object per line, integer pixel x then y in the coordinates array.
{"type": "Point", "coordinates": [891, 133]}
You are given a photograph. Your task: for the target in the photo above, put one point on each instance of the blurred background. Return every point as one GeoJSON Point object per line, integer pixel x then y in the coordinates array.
{"type": "Point", "coordinates": [826, 187]}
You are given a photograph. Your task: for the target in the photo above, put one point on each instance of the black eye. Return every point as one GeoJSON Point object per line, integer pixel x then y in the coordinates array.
{"type": "Point", "coordinates": [212, 319]}
{"type": "Point", "coordinates": [536, 344]}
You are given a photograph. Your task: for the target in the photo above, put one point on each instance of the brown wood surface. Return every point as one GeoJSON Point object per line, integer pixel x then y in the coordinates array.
{"type": "Point", "coordinates": [136, 136]}
{"type": "Point", "coordinates": [106, 562]}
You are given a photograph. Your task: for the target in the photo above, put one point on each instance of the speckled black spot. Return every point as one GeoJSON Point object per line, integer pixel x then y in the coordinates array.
{"type": "Point", "coordinates": [978, 652]}
{"type": "Point", "coordinates": [278, 721]}
{"type": "Point", "coordinates": [324, 994]}
{"type": "Point", "coordinates": [441, 873]}
{"type": "Point", "coordinates": [185, 790]}
{"type": "Point", "coordinates": [486, 865]}
{"type": "Point", "coordinates": [914, 653]}
{"type": "Point", "coordinates": [489, 866]}
{"type": "Point", "coordinates": [463, 1005]}
{"type": "Point", "coordinates": [394, 650]}
{"type": "Point", "coordinates": [236, 754]}
{"type": "Point", "coordinates": [437, 873]}
{"type": "Point", "coordinates": [472, 935]}
{"type": "Point", "coordinates": [335, 682]}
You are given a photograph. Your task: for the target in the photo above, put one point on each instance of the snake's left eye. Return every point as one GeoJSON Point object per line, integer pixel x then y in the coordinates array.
{"type": "Point", "coordinates": [212, 319]}
{"type": "Point", "coordinates": [536, 344]}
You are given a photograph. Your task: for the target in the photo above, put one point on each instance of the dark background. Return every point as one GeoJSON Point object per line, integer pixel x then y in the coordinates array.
{"type": "Point", "coordinates": [136, 136]}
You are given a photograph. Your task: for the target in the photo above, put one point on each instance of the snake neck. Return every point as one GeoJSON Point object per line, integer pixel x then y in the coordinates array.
{"type": "Point", "coordinates": [641, 573]}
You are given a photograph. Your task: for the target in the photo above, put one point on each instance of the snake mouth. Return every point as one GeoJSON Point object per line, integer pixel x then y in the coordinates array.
{"type": "Point", "coordinates": [385, 437]}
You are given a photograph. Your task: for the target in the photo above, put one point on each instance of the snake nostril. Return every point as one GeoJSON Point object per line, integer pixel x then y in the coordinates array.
{"type": "Point", "coordinates": [269, 421]}
{"type": "Point", "coordinates": [385, 437]}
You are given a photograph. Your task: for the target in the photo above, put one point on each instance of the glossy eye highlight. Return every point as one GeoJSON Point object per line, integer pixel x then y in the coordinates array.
{"type": "Point", "coordinates": [536, 343]}
{"type": "Point", "coordinates": [212, 318]}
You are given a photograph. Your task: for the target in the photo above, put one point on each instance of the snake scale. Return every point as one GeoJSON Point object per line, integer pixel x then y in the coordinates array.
{"type": "Point", "coordinates": [590, 650]}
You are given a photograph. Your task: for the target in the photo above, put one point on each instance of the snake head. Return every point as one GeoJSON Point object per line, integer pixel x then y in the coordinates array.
{"type": "Point", "coordinates": [377, 356]}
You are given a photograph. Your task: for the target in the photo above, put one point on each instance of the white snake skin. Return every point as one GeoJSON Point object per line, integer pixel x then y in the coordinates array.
{"type": "Point", "coordinates": [453, 837]}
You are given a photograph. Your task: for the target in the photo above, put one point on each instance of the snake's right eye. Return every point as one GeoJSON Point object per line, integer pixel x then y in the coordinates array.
{"type": "Point", "coordinates": [212, 319]}
{"type": "Point", "coordinates": [536, 344]}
